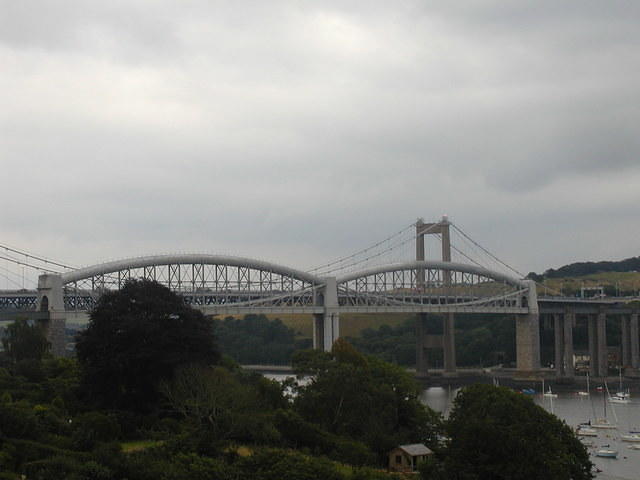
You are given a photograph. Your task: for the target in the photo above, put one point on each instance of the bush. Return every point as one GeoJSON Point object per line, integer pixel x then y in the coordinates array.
{"type": "Point", "coordinates": [54, 467]}
{"type": "Point", "coordinates": [92, 428]}
{"type": "Point", "coordinates": [275, 464]}
{"type": "Point", "coordinates": [297, 432]}
{"type": "Point", "coordinates": [155, 464]}
{"type": "Point", "coordinates": [18, 421]}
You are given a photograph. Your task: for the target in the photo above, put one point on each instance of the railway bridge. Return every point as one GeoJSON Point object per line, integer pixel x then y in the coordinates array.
{"type": "Point", "coordinates": [227, 285]}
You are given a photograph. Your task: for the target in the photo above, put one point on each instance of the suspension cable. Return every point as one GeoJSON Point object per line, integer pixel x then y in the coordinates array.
{"type": "Point", "coordinates": [5, 275]}
{"type": "Point", "coordinates": [461, 252]}
{"type": "Point", "coordinates": [36, 257]}
{"type": "Point", "coordinates": [25, 264]}
{"type": "Point", "coordinates": [340, 260]}
{"type": "Point", "coordinates": [487, 251]}
{"type": "Point", "coordinates": [382, 252]}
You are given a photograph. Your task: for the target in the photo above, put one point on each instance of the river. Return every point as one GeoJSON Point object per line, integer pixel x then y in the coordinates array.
{"type": "Point", "coordinates": [574, 410]}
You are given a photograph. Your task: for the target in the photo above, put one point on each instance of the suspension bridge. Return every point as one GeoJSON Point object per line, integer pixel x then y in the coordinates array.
{"type": "Point", "coordinates": [391, 276]}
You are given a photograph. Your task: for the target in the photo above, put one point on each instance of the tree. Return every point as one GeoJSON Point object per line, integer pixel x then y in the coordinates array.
{"type": "Point", "coordinates": [136, 337]}
{"type": "Point", "coordinates": [25, 341]}
{"type": "Point", "coordinates": [496, 433]}
{"type": "Point", "coordinates": [363, 398]}
{"type": "Point", "coordinates": [214, 399]}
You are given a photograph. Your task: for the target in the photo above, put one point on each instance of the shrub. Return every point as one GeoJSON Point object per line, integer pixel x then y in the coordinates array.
{"type": "Point", "coordinates": [92, 428]}
{"type": "Point", "coordinates": [275, 464]}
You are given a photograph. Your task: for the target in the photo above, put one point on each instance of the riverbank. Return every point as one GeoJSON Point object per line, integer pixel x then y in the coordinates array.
{"type": "Point", "coordinates": [504, 376]}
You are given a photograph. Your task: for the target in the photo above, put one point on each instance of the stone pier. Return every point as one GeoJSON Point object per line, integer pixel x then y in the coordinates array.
{"type": "Point", "coordinates": [422, 359]}
{"type": "Point", "coordinates": [326, 326]}
{"type": "Point", "coordinates": [603, 357]}
{"type": "Point", "coordinates": [634, 347]}
{"type": "Point", "coordinates": [528, 336]}
{"type": "Point", "coordinates": [51, 300]}
{"type": "Point", "coordinates": [449, 345]}
{"type": "Point", "coordinates": [569, 323]}
{"type": "Point", "coordinates": [563, 336]}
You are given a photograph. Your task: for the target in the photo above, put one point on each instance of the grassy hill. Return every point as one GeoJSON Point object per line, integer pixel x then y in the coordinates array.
{"type": "Point", "coordinates": [627, 283]}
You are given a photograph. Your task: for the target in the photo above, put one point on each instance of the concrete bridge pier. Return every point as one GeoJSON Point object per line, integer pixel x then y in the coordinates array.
{"type": "Point", "coordinates": [449, 345]}
{"type": "Point", "coordinates": [422, 359]}
{"type": "Point", "coordinates": [633, 370]}
{"type": "Point", "coordinates": [625, 344]}
{"type": "Point", "coordinates": [527, 345]}
{"type": "Point", "coordinates": [558, 348]}
{"type": "Point", "coordinates": [594, 370]}
{"type": "Point", "coordinates": [603, 357]}
{"type": "Point", "coordinates": [563, 335]}
{"type": "Point", "coordinates": [51, 300]}
{"type": "Point", "coordinates": [444, 342]}
{"type": "Point", "coordinates": [569, 323]}
{"type": "Point", "coordinates": [326, 326]}
{"type": "Point", "coordinates": [528, 336]}
{"type": "Point", "coordinates": [599, 358]}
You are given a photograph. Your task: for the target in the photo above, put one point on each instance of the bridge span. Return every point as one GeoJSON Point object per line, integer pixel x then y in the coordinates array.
{"type": "Point", "coordinates": [226, 285]}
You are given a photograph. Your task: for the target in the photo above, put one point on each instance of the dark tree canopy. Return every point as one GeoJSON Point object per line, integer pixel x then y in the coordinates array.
{"type": "Point", "coordinates": [137, 337]}
{"type": "Point", "coordinates": [496, 433]}
{"type": "Point", "coordinates": [587, 268]}
{"type": "Point", "coordinates": [363, 398]}
{"type": "Point", "coordinates": [255, 339]}
{"type": "Point", "coordinates": [25, 341]}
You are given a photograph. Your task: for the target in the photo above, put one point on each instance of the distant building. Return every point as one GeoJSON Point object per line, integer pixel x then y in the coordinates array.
{"type": "Point", "coordinates": [406, 458]}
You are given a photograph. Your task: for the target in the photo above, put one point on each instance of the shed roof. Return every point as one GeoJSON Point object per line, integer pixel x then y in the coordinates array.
{"type": "Point", "coordinates": [416, 449]}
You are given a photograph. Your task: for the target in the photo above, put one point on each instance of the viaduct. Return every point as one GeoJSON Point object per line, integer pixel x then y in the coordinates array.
{"type": "Point", "coordinates": [225, 285]}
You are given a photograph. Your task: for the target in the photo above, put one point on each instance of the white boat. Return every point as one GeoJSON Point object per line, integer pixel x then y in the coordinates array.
{"type": "Point", "coordinates": [621, 393]}
{"type": "Point", "coordinates": [548, 393]}
{"type": "Point", "coordinates": [633, 437]}
{"type": "Point", "coordinates": [635, 447]}
{"type": "Point", "coordinates": [607, 453]}
{"type": "Point", "coordinates": [619, 400]}
{"type": "Point", "coordinates": [602, 423]}
{"type": "Point", "coordinates": [583, 393]}
{"type": "Point", "coordinates": [586, 432]}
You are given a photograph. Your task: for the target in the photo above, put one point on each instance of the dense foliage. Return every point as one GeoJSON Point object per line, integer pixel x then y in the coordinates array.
{"type": "Point", "coordinates": [495, 433]}
{"type": "Point", "coordinates": [144, 401]}
{"type": "Point", "coordinates": [587, 268]}
{"type": "Point", "coordinates": [136, 337]}
{"type": "Point", "coordinates": [363, 398]}
{"type": "Point", "coordinates": [219, 422]}
{"type": "Point", "coordinates": [480, 340]}
{"type": "Point", "coordinates": [25, 341]}
{"type": "Point", "coordinates": [201, 421]}
{"type": "Point", "coordinates": [255, 339]}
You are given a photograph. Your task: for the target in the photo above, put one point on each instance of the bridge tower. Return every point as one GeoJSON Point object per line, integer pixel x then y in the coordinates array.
{"type": "Point", "coordinates": [51, 301]}
{"type": "Point", "coordinates": [424, 341]}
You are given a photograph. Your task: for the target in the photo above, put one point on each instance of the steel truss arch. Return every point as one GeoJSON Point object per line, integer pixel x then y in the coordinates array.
{"type": "Point", "coordinates": [204, 280]}
{"type": "Point", "coordinates": [432, 285]}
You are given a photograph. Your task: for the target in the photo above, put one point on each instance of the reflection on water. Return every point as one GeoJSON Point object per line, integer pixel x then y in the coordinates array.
{"type": "Point", "coordinates": [574, 410]}
{"type": "Point", "coordinates": [439, 399]}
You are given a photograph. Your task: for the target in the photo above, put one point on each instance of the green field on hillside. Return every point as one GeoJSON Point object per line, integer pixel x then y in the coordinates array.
{"type": "Point", "coordinates": [625, 282]}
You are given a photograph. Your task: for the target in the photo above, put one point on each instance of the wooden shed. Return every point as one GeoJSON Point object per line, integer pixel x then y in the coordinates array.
{"type": "Point", "coordinates": [406, 458]}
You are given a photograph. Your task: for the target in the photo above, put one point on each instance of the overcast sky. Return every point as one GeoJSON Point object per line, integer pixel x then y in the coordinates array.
{"type": "Point", "coordinates": [300, 131]}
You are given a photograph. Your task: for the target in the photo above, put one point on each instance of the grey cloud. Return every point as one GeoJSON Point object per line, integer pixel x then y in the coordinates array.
{"type": "Point", "coordinates": [303, 131]}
